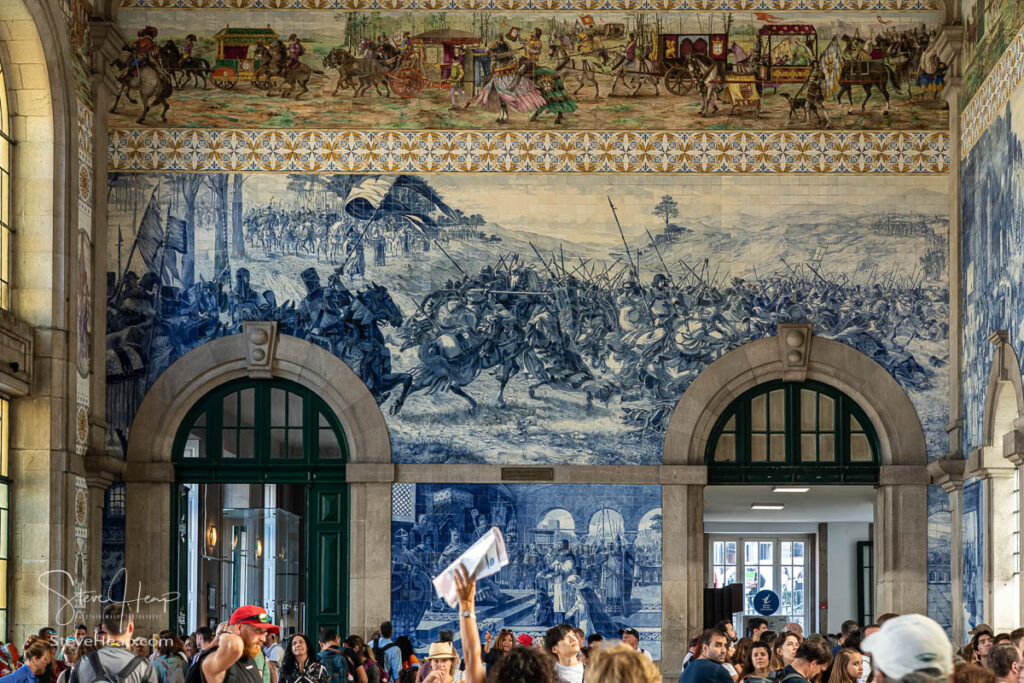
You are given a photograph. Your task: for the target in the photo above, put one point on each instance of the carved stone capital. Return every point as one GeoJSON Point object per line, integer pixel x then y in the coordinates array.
{"type": "Point", "coordinates": [948, 472]}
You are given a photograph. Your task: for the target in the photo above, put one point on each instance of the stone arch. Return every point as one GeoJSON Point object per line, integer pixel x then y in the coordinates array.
{"type": "Point", "coordinates": [259, 351]}
{"type": "Point", "coordinates": [795, 355]}
{"type": "Point", "coordinates": [1004, 396]}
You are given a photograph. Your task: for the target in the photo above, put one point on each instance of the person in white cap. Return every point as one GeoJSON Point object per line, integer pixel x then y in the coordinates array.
{"type": "Point", "coordinates": [910, 649]}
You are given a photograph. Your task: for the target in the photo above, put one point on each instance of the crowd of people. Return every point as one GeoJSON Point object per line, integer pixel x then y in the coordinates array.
{"type": "Point", "coordinates": [246, 649]}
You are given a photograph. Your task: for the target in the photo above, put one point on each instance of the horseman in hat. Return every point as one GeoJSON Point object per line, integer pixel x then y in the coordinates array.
{"type": "Point", "coordinates": [144, 50]}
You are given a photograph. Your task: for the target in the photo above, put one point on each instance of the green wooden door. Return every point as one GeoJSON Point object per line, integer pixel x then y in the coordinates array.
{"type": "Point", "coordinates": [327, 558]}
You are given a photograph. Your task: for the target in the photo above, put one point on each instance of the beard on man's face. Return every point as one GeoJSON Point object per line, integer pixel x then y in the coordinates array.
{"type": "Point", "coordinates": [251, 646]}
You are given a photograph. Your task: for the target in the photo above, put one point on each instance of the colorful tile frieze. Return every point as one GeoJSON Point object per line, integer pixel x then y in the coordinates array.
{"type": "Point", "coordinates": [567, 5]}
{"type": "Point", "coordinates": [521, 151]}
{"type": "Point", "coordinates": [538, 70]}
{"type": "Point", "coordinates": [991, 98]}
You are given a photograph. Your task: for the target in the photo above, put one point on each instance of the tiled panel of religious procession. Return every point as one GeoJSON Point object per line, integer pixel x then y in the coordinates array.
{"type": "Point", "coordinates": [589, 555]}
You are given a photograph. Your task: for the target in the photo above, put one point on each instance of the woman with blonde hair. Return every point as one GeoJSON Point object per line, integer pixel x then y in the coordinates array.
{"type": "Point", "coordinates": [848, 667]}
{"type": "Point", "coordinates": [620, 663]}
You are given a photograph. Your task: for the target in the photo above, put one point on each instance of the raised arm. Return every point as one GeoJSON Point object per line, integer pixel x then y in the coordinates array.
{"type": "Point", "coordinates": [465, 586]}
{"type": "Point", "coordinates": [229, 650]}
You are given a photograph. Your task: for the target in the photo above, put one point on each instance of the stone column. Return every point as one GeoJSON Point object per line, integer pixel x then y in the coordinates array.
{"type": "Point", "coordinates": [1002, 596]}
{"type": "Point", "coordinates": [369, 557]}
{"type": "Point", "coordinates": [682, 562]}
{"type": "Point", "coordinates": [901, 540]}
{"type": "Point", "coordinates": [949, 474]}
{"type": "Point", "coordinates": [148, 490]}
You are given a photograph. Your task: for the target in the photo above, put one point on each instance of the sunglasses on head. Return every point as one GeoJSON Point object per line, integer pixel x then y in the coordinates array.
{"type": "Point", "coordinates": [263, 618]}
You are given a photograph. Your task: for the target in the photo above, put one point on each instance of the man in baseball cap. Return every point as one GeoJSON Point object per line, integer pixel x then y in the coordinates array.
{"type": "Point", "coordinates": [237, 646]}
{"type": "Point", "coordinates": [909, 644]}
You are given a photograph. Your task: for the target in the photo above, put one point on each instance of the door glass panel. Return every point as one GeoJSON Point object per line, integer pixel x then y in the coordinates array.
{"type": "Point", "coordinates": [247, 405]}
{"type": "Point", "coordinates": [730, 575]}
{"type": "Point", "coordinates": [826, 413]}
{"type": "Point", "coordinates": [725, 451]}
{"type": "Point", "coordinates": [246, 443]}
{"type": "Point", "coordinates": [787, 552]}
{"type": "Point", "coordinates": [229, 405]}
{"type": "Point", "coordinates": [719, 577]}
{"type": "Point", "coordinates": [777, 402]}
{"type": "Point", "coordinates": [807, 450]}
{"type": "Point", "coordinates": [757, 413]}
{"type": "Point", "coordinates": [860, 450]}
{"type": "Point", "coordinates": [826, 447]}
{"type": "Point", "coordinates": [294, 410]}
{"type": "Point", "coordinates": [778, 448]}
{"type": "Point", "coordinates": [798, 552]}
{"type": "Point", "coordinates": [750, 552]}
{"type": "Point", "coordinates": [295, 444]}
{"type": "Point", "coordinates": [329, 448]}
{"type": "Point", "coordinates": [807, 399]}
{"type": "Point", "coordinates": [758, 448]}
{"type": "Point", "coordinates": [229, 443]}
{"type": "Point", "coordinates": [855, 425]}
{"type": "Point", "coordinates": [730, 552]}
{"type": "Point", "coordinates": [718, 552]}
{"type": "Point", "coordinates": [730, 426]}
{"type": "Point", "coordinates": [766, 552]}
{"type": "Point", "coordinates": [278, 401]}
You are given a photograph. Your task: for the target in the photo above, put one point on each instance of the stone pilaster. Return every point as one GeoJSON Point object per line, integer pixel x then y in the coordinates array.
{"type": "Point", "coordinates": [901, 540]}
{"type": "Point", "coordinates": [949, 474]}
{"type": "Point", "coordinates": [682, 562]}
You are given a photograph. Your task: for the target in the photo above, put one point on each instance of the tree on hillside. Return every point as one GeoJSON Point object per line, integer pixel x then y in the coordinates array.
{"type": "Point", "coordinates": [667, 209]}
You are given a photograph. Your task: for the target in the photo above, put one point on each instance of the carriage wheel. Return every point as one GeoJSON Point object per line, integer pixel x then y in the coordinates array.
{"type": "Point", "coordinates": [406, 82]}
{"type": "Point", "coordinates": [224, 77]}
{"type": "Point", "coordinates": [678, 81]}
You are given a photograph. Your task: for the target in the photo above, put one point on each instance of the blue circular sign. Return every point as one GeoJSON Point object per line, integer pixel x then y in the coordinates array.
{"type": "Point", "coordinates": [766, 603]}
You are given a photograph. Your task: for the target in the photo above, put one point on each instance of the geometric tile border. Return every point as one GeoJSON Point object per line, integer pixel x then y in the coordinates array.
{"type": "Point", "coordinates": [273, 151]}
{"type": "Point", "coordinates": [506, 5]}
{"type": "Point", "coordinates": [989, 100]}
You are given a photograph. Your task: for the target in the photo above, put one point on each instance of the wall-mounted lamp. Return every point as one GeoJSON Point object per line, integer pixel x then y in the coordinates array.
{"type": "Point", "coordinates": [211, 537]}
{"type": "Point", "coordinates": [259, 548]}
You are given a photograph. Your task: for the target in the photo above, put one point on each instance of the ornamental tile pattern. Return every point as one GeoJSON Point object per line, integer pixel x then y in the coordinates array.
{"type": "Point", "coordinates": [506, 5]}
{"type": "Point", "coordinates": [992, 96]}
{"type": "Point", "coordinates": [521, 151]}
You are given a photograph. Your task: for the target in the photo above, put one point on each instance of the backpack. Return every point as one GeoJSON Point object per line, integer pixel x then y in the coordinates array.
{"type": "Point", "coordinates": [382, 674]}
{"type": "Point", "coordinates": [100, 672]}
{"type": "Point", "coordinates": [380, 654]}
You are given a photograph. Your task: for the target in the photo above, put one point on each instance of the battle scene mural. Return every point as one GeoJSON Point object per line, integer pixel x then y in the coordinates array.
{"type": "Point", "coordinates": [586, 555]}
{"type": "Point", "coordinates": [993, 263]}
{"type": "Point", "coordinates": [529, 318]}
{"type": "Point", "coordinates": [452, 70]}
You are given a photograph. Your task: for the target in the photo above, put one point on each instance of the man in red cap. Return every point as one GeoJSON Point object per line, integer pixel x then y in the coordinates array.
{"type": "Point", "coordinates": [231, 659]}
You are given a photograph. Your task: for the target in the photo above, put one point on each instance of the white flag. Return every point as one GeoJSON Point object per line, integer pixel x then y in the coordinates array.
{"type": "Point", "coordinates": [484, 558]}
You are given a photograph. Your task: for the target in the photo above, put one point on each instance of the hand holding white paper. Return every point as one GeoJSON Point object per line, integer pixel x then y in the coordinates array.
{"type": "Point", "coordinates": [484, 558]}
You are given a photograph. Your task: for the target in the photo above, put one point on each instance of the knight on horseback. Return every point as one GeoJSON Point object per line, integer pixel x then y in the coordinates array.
{"type": "Point", "coordinates": [295, 50]}
{"type": "Point", "coordinates": [143, 51]}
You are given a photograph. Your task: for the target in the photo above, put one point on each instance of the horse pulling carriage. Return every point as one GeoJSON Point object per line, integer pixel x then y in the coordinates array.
{"type": "Point", "coordinates": [428, 61]}
{"type": "Point", "coordinates": [233, 61]}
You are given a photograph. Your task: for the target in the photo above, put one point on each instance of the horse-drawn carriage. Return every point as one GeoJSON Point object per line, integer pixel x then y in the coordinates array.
{"type": "Point", "coordinates": [788, 52]}
{"type": "Point", "coordinates": [234, 63]}
{"type": "Point", "coordinates": [428, 61]}
{"type": "Point", "coordinates": [675, 50]}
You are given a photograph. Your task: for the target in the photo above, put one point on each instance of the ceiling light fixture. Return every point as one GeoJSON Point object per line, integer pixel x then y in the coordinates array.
{"type": "Point", "coordinates": [766, 506]}
{"type": "Point", "coordinates": [790, 489]}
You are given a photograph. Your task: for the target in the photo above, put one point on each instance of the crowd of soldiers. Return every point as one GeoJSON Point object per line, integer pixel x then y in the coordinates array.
{"type": "Point", "coordinates": [609, 335]}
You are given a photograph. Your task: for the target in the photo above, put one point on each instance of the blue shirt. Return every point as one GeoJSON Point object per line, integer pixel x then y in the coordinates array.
{"type": "Point", "coordinates": [392, 657]}
{"type": "Point", "coordinates": [705, 671]}
{"type": "Point", "coordinates": [22, 675]}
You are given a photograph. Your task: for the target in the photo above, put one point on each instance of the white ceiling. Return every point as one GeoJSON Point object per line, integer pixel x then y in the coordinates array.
{"type": "Point", "coordinates": [820, 504]}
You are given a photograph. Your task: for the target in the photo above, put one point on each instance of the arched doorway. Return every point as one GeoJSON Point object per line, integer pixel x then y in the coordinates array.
{"type": "Point", "coordinates": [899, 476]}
{"type": "Point", "coordinates": [261, 507]}
{"type": "Point", "coordinates": [305, 417]}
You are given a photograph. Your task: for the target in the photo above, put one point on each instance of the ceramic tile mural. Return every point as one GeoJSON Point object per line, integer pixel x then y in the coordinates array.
{"type": "Point", "coordinates": [506, 319]}
{"type": "Point", "coordinates": [939, 553]}
{"type": "Point", "coordinates": [586, 555]}
{"type": "Point", "coordinates": [504, 5]}
{"type": "Point", "coordinates": [993, 263]}
{"type": "Point", "coordinates": [990, 99]}
{"type": "Point", "coordinates": [451, 70]}
{"type": "Point", "coordinates": [991, 26]}
{"type": "Point", "coordinates": [973, 549]}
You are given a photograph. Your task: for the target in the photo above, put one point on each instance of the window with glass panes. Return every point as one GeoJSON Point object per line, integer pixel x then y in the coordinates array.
{"type": "Point", "coordinates": [266, 421]}
{"type": "Point", "coordinates": [5, 196]}
{"type": "Point", "coordinates": [723, 559]}
{"type": "Point", "coordinates": [793, 432]}
{"type": "Point", "coordinates": [779, 564]}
